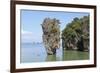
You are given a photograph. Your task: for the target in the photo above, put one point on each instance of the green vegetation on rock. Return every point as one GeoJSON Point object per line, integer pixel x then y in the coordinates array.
{"type": "Point", "coordinates": [75, 36]}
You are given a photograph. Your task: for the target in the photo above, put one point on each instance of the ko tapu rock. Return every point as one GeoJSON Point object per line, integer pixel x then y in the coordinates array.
{"type": "Point", "coordinates": [51, 35]}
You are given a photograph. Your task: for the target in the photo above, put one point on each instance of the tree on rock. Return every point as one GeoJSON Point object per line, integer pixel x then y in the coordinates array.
{"type": "Point", "coordinates": [75, 36]}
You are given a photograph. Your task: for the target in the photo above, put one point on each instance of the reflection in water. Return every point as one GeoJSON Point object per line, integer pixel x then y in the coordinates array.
{"type": "Point", "coordinates": [59, 54]}
{"type": "Point", "coordinates": [51, 58]}
{"type": "Point", "coordinates": [75, 55]}
{"type": "Point", "coordinates": [36, 53]}
{"type": "Point", "coordinates": [57, 57]}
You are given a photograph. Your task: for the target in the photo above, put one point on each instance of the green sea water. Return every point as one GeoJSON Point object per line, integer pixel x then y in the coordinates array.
{"type": "Point", "coordinates": [69, 55]}
{"type": "Point", "coordinates": [37, 53]}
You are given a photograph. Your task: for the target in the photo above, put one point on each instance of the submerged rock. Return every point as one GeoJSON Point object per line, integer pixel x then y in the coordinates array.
{"type": "Point", "coordinates": [51, 35]}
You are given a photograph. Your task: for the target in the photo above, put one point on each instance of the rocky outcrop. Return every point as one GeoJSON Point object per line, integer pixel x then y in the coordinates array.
{"type": "Point", "coordinates": [75, 35]}
{"type": "Point", "coordinates": [51, 35]}
{"type": "Point", "coordinates": [85, 31]}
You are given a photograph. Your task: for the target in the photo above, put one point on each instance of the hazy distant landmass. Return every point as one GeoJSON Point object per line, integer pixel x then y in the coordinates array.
{"type": "Point", "coordinates": [37, 42]}
{"type": "Point", "coordinates": [32, 42]}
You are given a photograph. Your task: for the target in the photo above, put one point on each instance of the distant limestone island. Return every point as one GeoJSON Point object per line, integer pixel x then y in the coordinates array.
{"type": "Point", "coordinates": [37, 42]}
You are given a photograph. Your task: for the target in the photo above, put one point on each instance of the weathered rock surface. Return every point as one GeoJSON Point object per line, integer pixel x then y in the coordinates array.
{"type": "Point", "coordinates": [51, 35]}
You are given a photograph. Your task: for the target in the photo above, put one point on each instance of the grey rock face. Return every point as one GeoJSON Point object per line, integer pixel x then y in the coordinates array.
{"type": "Point", "coordinates": [51, 35]}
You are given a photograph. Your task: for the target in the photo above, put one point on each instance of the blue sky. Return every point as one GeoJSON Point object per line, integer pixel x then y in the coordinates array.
{"type": "Point", "coordinates": [31, 20]}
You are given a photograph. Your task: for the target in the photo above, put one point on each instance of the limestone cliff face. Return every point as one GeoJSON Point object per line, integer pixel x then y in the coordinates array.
{"type": "Point", "coordinates": [51, 35]}
{"type": "Point", "coordinates": [75, 35]}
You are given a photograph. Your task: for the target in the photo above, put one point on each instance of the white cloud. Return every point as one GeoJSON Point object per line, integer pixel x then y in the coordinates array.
{"type": "Point", "coordinates": [26, 36]}
{"type": "Point", "coordinates": [29, 37]}
{"type": "Point", "coordinates": [26, 32]}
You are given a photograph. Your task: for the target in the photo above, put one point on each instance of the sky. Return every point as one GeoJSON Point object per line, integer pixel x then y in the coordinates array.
{"type": "Point", "coordinates": [31, 20]}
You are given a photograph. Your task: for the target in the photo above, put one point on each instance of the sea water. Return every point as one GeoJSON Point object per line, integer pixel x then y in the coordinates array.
{"type": "Point", "coordinates": [36, 52]}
